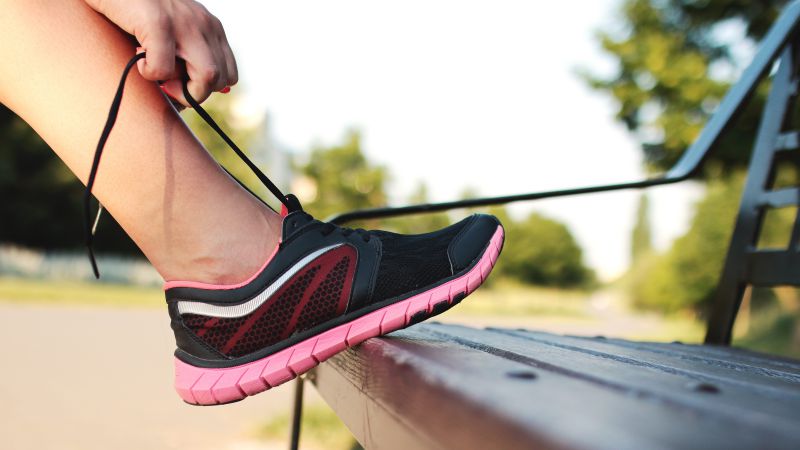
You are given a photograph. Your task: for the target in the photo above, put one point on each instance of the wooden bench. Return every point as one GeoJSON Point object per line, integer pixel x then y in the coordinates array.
{"type": "Point", "coordinates": [445, 386]}
{"type": "Point", "coordinates": [455, 387]}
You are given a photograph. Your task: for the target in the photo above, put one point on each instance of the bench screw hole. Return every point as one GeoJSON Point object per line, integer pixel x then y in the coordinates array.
{"type": "Point", "coordinates": [705, 388]}
{"type": "Point", "coordinates": [522, 375]}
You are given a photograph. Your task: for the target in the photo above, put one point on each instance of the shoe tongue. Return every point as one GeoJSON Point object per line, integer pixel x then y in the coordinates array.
{"type": "Point", "coordinates": [293, 222]}
{"type": "Point", "coordinates": [294, 218]}
{"type": "Point", "coordinates": [290, 204]}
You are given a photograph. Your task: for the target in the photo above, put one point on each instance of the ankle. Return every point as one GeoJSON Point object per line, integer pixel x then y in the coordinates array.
{"type": "Point", "coordinates": [229, 258]}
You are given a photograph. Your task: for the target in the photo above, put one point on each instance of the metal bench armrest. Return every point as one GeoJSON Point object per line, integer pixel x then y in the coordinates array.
{"type": "Point", "coordinates": [689, 164]}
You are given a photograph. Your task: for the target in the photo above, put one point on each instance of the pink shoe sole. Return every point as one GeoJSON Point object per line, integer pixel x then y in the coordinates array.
{"type": "Point", "coordinates": [217, 386]}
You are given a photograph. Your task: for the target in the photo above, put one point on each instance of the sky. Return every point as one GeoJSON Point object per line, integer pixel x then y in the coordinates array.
{"type": "Point", "coordinates": [457, 94]}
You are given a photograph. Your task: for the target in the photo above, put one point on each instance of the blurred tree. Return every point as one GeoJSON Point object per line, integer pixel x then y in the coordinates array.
{"type": "Point", "coordinates": [538, 250]}
{"type": "Point", "coordinates": [641, 237]}
{"type": "Point", "coordinates": [673, 69]}
{"type": "Point", "coordinates": [420, 223]}
{"type": "Point", "coordinates": [221, 108]}
{"type": "Point", "coordinates": [344, 179]}
{"type": "Point", "coordinates": [542, 251]}
{"type": "Point", "coordinates": [686, 275]}
{"type": "Point", "coordinates": [676, 59]}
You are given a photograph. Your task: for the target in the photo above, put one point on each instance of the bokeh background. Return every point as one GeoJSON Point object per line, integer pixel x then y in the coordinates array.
{"type": "Point", "coordinates": [354, 104]}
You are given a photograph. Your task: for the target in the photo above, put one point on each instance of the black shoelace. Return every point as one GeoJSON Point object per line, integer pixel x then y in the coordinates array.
{"type": "Point", "coordinates": [328, 228]}
{"type": "Point", "coordinates": [289, 201]}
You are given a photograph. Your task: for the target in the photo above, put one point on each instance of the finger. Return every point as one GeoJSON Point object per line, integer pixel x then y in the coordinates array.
{"type": "Point", "coordinates": [220, 60]}
{"type": "Point", "coordinates": [230, 60]}
{"type": "Point", "coordinates": [159, 63]}
{"type": "Point", "coordinates": [230, 65]}
{"type": "Point", "coordinates": [205, 69]}
{"type": "Point", "coordinates": [216, 39]}
{"type": "Point", "coordinates": [199, 86]}
{"type": "Point", "coordinates": [172, 99]}
{"type": "Point", "coordinates": [174, 90]}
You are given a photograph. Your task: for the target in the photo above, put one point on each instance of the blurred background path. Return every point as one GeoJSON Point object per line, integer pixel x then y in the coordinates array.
{"type": "Point", "coordinates": [83, 376]}
{"type": "Point", "coordinates": [101, 378]}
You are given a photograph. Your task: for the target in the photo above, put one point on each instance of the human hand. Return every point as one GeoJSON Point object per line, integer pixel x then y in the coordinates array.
{"type": "Point", "coordinates": [170, 29]}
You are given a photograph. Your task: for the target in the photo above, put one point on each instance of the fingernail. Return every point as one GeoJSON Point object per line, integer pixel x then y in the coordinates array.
{"type": "Point", "coordinates": [225, 90]}
{"type": "Point", "coordinates": [164, 89]}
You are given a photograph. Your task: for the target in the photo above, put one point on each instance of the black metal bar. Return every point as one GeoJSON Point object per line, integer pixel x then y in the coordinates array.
{"type": "Point", "coordinates": [774, 268]}
{"type": "Point", "coordinates": [769, 49]}
{"type": "Point", "coordinates": [781, 198]}
{"type": "Point", "coordinates": [376, 213]}
{"type": "Point", "coordinates": [738, 269]}
{"type": "Point", "coordinates": [687, 166]}
{"type": "Point", "coordinates": [297, 414]}
{"type": "Point", "coordinates": [788, 141]}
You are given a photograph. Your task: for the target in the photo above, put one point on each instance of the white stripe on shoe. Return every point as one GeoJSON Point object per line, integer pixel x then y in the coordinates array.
{"type": "Point", "coordinates": [243, 309]}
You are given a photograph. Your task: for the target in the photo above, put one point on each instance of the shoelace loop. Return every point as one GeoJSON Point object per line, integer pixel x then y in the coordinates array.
{"type": "Point", "coordinates": [90, 226]}
{"type": "Point", "coordinates": [328, 228]}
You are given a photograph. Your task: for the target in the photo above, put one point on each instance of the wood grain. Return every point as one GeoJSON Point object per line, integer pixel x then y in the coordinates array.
{"type": "Point", "coordinates": [440, 386]}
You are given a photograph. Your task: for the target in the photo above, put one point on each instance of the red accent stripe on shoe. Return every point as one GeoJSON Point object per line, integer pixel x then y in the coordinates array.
{"type": "Point", "coordinates": [212, 386]}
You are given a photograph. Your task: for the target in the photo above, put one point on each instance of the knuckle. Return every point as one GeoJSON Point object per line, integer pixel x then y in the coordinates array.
{"type": "Point", "coordinates": [204, 21]}
{"type": "Point", "coordinates": [202, 16]}
{"type": "Point", "coordinates": [209, 74]}
{"type": "Point", "coordinates": [157, 72]}
{"type": "Point", "coordinates": [158, 19]}
{"type": "Point", "coordinates": [163, 21]}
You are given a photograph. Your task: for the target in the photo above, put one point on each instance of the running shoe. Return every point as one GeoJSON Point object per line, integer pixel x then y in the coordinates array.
{"type": "Point", "coordinates": [325, 288]}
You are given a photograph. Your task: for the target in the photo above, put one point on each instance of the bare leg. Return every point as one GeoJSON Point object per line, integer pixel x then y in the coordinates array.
{"type": "Point", "coordinates": [61, 62]}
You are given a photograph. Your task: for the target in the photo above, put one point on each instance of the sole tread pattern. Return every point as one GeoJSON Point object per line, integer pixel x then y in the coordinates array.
{"type": "Point", "coordinates": [209, 386]}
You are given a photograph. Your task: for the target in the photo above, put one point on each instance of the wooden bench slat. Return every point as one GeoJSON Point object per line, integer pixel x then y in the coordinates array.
{"type": "Point", "coordinates": [740, 404]}
{"type": "Point", "coordinates": [718, 353]}
{"type": "Point", "coordinates": [768, 382]}
{"type": "Point", "coordinates": [434, 386]}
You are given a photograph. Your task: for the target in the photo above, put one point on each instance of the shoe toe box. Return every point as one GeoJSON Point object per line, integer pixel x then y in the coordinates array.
{"type": "Point", "coordinates": [471, 241]}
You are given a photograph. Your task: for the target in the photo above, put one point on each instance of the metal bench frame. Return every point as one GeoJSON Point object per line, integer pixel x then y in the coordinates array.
{"type": "Point", "coordinates": [745, 264]}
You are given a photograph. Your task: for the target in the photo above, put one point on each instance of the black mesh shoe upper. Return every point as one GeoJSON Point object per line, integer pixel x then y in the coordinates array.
{"type": "Point", "coordinates": [411, 262]}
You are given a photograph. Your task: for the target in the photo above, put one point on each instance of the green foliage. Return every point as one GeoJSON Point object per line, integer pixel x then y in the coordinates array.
{"type": "Point", "coordinates": [344, 180]}
{"type": "Point", "coordinates": [221, 108]}
{"type": "Point", "coordinates": [673, 71]}
{"type": "Point", "coordinates": [321, 427]}
{"type": "Point", "coordinates": [421, 223]}
{"type": "Point", "coordinates": [71, 292]}
{"type": "Point", "coordinates": [685, 277]}
{"type": "Point", "coordinates": [772, 322]}
{"type": "Point", "coordinates": [641, 237]}
{"type": "Point", "coordinates": [542, 251]}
